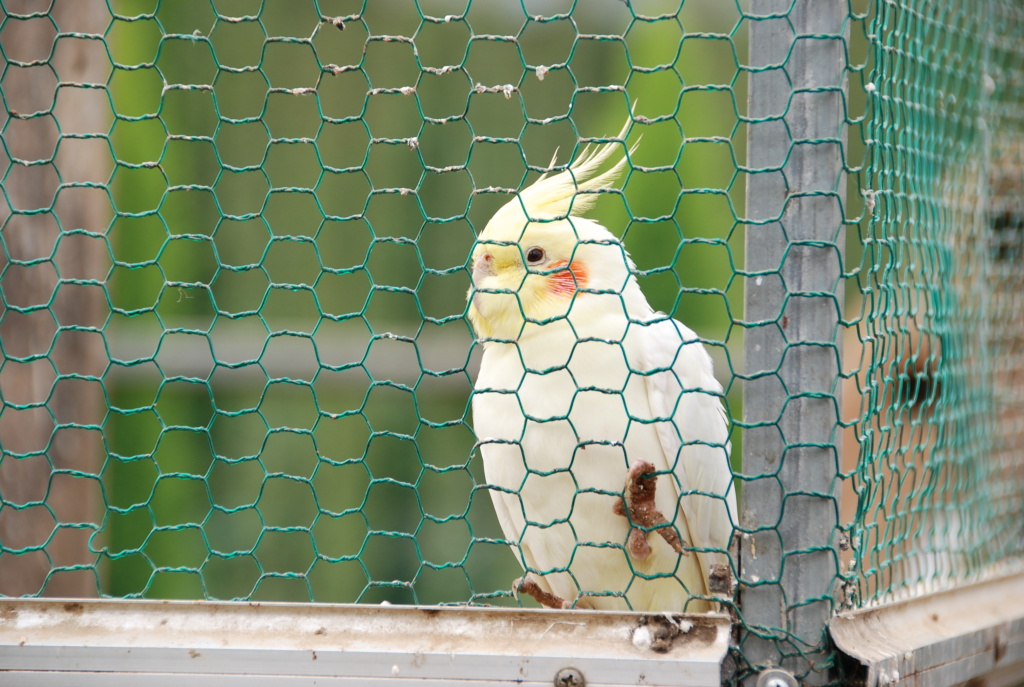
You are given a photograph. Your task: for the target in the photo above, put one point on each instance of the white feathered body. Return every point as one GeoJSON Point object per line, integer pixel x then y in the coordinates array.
{"type": "Point", "coordinates": [563, 412]}
{"type": "Point", "coordinates": [580, 378]}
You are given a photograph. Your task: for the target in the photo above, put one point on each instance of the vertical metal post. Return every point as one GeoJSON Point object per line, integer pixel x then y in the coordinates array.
{"type": "Point", "coordinates": [793, 308]}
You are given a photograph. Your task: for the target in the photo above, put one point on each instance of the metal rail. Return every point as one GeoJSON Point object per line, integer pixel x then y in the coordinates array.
{"type": "Point", "coordinates": [120, 642]}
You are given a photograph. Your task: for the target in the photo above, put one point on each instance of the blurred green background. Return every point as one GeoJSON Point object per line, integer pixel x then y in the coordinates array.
{"type": "Point", "coordinates": [296, 203]}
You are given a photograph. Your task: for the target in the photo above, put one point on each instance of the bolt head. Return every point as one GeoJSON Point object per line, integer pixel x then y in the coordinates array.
{"type": "Point", "coordinates": [569, 677]}
{"type": "Point", "coordinates": [776, 677]}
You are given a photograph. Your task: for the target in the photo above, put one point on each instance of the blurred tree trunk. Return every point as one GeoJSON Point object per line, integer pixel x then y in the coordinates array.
{"type": "Point", "coordinates": [52, 274]}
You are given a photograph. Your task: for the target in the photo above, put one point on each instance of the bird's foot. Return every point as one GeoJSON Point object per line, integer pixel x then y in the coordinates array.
{"type": "Point", "coordinates": [638, 498]}
{"type": "Point", "coordinates": [546, 599]}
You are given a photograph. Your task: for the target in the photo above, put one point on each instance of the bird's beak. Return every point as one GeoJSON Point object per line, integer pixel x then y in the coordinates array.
{"type": "Point", "coordinates": [483, 267]}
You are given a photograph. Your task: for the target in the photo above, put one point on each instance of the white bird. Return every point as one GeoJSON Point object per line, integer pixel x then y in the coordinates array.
{"type": "Point", "coordinates": [587, 401]}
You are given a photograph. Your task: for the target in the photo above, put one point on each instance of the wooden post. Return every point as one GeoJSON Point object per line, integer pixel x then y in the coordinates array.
{"type": "Point", "coordinates": [54, 215]}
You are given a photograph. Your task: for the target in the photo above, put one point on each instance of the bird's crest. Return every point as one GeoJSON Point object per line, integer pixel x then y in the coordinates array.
{"type": "Point", "coordinates": [567, 193]}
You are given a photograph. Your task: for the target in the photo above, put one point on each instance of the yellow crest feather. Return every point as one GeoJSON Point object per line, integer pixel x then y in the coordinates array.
{"type": "Point", "coordinates": [565, 194]}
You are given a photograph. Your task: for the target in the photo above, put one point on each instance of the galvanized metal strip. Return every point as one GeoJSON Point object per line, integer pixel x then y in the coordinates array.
{"type": "Point", "coordinates": [345, 643]}
{"type": "Point", "coordinates": [795, 238]}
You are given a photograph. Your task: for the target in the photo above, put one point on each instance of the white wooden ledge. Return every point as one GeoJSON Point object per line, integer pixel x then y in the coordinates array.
{"type": "Point", "coordinates": [974, 633]}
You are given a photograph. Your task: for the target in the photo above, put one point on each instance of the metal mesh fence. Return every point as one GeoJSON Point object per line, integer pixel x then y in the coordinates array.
{"type": "Point", "coordinates": [938, 475]}
{"type": "Point", "coordinates": [271, 361]}
{"type": "Point", "coordinates": [237, 238]}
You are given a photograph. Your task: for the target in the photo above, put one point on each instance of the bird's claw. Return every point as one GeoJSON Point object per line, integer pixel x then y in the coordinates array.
{"type": "Point", "coordinates": [547, 599]}
{"type": "Point", "coordinates": [643, 514]}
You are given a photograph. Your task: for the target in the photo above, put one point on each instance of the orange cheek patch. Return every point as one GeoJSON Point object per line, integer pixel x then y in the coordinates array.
{"type": "Point", "coordinates": [566, 278]}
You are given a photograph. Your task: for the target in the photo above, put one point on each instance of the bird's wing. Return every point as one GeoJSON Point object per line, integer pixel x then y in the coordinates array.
{"type": "Point", "coordinates": [694, 431]}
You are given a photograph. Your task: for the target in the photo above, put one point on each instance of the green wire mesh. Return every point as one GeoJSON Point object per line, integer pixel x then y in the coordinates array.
{"type": "Point", "coordinates": [939, 480]}
{"type": "Point", "coordinates": [235, 232]}
{"type": "Point", "coordinates": [268, 393]}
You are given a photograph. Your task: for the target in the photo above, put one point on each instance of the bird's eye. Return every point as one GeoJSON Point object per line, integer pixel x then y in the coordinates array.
{"type": "Point", "coordinates": [535, 255]}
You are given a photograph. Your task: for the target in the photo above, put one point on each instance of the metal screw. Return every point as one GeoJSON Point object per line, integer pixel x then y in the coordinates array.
{"type": "Point", "coordinates": [776, 677]}
{"type": "Point", "coordinates": [569, 677]}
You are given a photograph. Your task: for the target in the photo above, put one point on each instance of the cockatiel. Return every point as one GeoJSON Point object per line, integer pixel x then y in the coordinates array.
{"type": "Point", "coordinates": [599, 420]}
